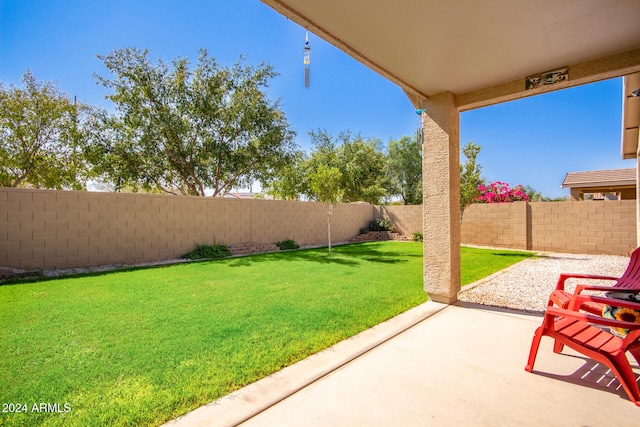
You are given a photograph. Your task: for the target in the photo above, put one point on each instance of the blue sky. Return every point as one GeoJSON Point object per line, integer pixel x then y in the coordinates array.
{"type": "Point", "coordinates": [533, 141]}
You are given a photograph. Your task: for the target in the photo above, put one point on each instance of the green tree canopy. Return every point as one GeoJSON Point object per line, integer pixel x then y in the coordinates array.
{"type": "Point", "coordinates": [363, 167]}
{"type": "Point", "coordinates": [324, 185]}
{"type": "Point", "coordinates": [470, 176]}
{"type": "Point", "coordinates": [183, 130]}
{"type": "Point", "coordinates": [536, 196]}
{"type": "Point", "coordinates": [361, 164]}
{"type": "Point", "coordinates": [404, 160]}
{"type": "Point", "coordinates": [40, 137]}
{"type": "Point", "coordinates": [290, 181]}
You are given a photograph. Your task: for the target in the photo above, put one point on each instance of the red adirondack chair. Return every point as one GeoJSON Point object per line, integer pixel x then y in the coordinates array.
{"type": "Point", "coordinates": [568, 326]}
{"type": "Point", "coordinates": [628, 282]}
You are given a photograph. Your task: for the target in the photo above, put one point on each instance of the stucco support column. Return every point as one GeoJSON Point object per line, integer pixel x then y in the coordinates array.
{"type": "Point", "coordinates": [441, 197]}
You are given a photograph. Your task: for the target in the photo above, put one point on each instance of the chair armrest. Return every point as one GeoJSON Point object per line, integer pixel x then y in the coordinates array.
{"type": "Point", "coordinates": [578, 300]}
{"type": "Point", "coordinates": [591, 318]}
{"type": "Point", "coordinates": [564, 276]}
{"type": "Point", "coordinates": [580, 288]}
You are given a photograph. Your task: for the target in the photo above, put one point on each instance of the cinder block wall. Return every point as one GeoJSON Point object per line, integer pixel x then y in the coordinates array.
{"type": "Point", "coordinates": [501, 225]}
{"type": "Point", "coordinates": [593, 227]}
{"type": "Point", "coordinates": [406, 219]}
{"type": "Point", "coordinates": [65, 229]}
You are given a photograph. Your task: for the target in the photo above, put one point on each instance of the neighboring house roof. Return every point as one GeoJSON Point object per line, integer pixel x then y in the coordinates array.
{"type": "Point", "coordinates": [601, 178]}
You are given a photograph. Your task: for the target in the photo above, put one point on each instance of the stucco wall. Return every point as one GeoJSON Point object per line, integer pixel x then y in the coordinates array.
{"type": "Point", "coordinates": [65, 229]}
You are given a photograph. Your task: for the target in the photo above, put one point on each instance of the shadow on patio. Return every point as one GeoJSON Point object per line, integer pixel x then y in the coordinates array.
{"type": "Point", "coordinates": [433, 365]}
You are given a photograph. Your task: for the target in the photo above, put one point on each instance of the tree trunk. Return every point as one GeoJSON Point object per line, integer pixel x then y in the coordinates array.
{"type": "Point", "coordinates": [329, 225]}
{"type": "Point", "coordinates": [329, 230]}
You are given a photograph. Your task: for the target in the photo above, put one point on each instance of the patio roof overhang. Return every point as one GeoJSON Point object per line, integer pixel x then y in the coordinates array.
{"type": "Point", "coordinates": [452, 56]}
{"type": "Point", "coordinates": [480, 51]}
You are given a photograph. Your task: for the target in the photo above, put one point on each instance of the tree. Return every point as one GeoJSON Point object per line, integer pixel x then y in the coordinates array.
{"type": "Point", "coordinates": [470, 176]}
{"type": "Point", "coordinates": [291, 181]}
{"type": "Point", "coordinates": [404, 160]}
{"type": "Point", "coordinates": [324, 187]}
{"type": "Point", "coordinates": [363, 169]}
{"type": "Point", "coordinates": [536, 196]}
{"type": "Point", "coordinates": [179, 130]}
{"type": "Point", "coordinates": [40, 137]}
{"type": "Point", "coordinates": [361, 164]}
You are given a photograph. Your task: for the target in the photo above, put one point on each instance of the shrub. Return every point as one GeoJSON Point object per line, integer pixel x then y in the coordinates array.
{"type": "Point", "coordinates": [287, 245]}
{"type": "Point", "coordinates": [208, 251]}
{"type": "Point", "coordinates": [417, 236]}
{"type": "Point", "coordinates": [500, 192]}
{"type": "Point", "coordinates": [381, 224]}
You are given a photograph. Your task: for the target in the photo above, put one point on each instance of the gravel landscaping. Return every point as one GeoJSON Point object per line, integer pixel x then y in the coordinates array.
{"type": "Point", "coordinates": [527, 285]}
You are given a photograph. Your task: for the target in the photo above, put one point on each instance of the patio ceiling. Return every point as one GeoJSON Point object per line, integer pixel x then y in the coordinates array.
{"type": "Point", "coordinates": [469, 47]}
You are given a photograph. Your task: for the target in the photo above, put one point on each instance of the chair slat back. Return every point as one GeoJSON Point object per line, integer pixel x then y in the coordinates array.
{"type": "Point", "coordinates": [631, 277]}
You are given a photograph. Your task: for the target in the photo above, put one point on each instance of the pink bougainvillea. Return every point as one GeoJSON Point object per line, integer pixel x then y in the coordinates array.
{"type": "Point", "coordinates": [500, 192]}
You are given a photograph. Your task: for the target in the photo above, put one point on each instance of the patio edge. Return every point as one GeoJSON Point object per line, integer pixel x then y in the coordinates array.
{"type": "Point", "coordinates": [243, 404]}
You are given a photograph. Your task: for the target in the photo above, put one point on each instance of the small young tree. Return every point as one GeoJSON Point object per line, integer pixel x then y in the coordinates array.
{"type": "Point", "coordinates": [360, 162]}
{"type": "Point", "coordinates": [470, 176]}
{"type": "Point", "coordinates": [324, 185]}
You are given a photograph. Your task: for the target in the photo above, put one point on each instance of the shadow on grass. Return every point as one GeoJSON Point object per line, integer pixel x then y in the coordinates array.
{"type": "Point", "coordinates": [347, 255]}
{"type": "Point", "coordinates": [515, 255]}
{"type": "Point", "coordinates": [351, 255]}
{"type": "Point", "coordinates": [88, 273]}
{"type": "Point", "coordinates": [312, 255]}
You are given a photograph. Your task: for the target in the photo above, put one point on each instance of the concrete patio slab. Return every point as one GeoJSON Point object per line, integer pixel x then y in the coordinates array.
{"type": "Point", "coordinates": [459, 365]}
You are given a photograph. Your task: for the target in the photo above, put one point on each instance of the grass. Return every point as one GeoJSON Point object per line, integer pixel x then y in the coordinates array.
{"type": "Point", "coordinates": [480, 263]}
{"type": "Point", "coordinates": [142, 347]}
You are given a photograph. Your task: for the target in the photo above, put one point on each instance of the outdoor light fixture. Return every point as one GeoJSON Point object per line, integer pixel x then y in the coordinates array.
{"type": "Point", "coordinates": [636, 93]}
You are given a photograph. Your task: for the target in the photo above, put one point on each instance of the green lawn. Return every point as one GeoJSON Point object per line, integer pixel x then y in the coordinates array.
{"type": "Point", "coordinates": [144, 346]}
{"type": "Point", "coordinates": [480, 263]}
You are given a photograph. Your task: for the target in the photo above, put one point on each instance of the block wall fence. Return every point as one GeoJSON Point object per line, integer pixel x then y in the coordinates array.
{"type": "Point", "coordinates": [586, 227]}
{"type": "Point", "coordinates": [46, 229]}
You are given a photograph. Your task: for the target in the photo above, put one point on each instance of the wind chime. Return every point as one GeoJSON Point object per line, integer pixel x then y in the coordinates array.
{"type": "Point", "coordinates": [307, 61]}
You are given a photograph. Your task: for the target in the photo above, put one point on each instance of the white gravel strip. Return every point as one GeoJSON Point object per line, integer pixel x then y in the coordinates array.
{"type": "Point", "coordinates": [527, 285]}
